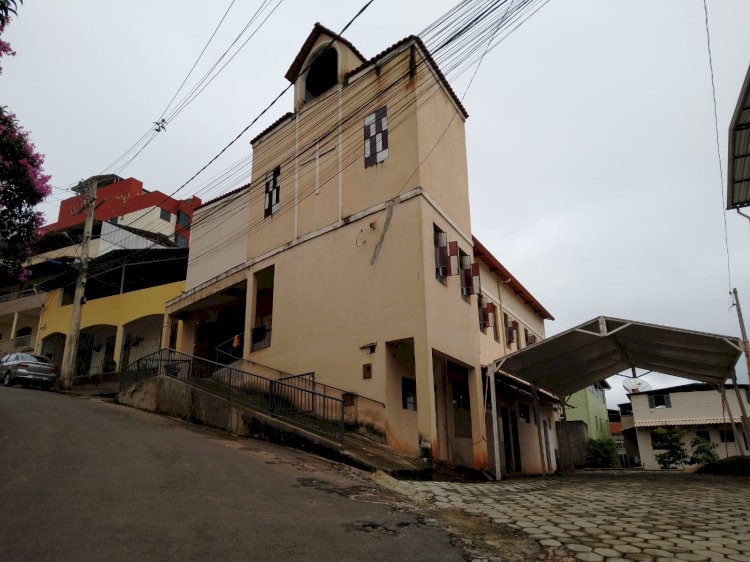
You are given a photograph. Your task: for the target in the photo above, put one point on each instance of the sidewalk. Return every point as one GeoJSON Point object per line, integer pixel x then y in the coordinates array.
{"type": "Point", "coordinates": [104, 389]}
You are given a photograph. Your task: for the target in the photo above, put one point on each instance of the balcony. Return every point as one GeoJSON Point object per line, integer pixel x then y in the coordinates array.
{"type": "Point", "coordinates": [21, 343]}
{"type": "Point", "coordinates": [261, 337]}
{"type": "Point", "coordinates": [18, 294]}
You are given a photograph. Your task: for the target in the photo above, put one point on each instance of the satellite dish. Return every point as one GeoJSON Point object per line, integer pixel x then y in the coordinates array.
{"type": "Point", "coordinates": [634, 386]}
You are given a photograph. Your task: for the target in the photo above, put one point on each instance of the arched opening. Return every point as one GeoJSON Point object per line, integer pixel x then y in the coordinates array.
{"type": "Point", "coordinates": [53, 347]}
{"type": "Point", "coordinates": [322, 74]}
{"type": "Point", "coordinates": [96, 350]}
{"type": "Point", "coordinates": [142, 337]}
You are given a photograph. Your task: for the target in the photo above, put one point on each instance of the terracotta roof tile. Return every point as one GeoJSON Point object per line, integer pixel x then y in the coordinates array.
{"type": "Point", "coordinates": [225, 195]}
{"type": "Point", "coordinates": [272, 126]}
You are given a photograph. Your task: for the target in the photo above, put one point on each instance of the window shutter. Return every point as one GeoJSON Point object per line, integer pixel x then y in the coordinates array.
{"type": "Point", "coordinates": [441, 247]}
{"type": "Point", "coordinates": [474, 285]}
{"type": "Point", "coordinates": [370, 154]}
{"type": "Point", "coordinates": [452, 261]}
{"type": "Point", "coordinates": [651, 403]}
{"type": "Point", "coordinates": [510, 334]}
{"type": "Point", "coordinates": [667, 401]}
{"type": "Point", "coordinates": [483, 312]}
{"type": "Point", "coordinates": [267, 194]}
{"type": "Point", "coordinates": [465, 275]}
{"type": "Point", "coordinates": [276, 189]}
{"type": "Point", "coordinates": [491, 313]}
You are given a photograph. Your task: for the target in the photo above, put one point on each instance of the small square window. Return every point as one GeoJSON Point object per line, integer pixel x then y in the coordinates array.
{"type": "Point", "coordinates": [408, 393]}
{"type": "Point", "coordinates": [183, 219]}
{"type": "Point", "coordinates": [705, 435]}
{"type": "Point", "coordinates": [165, 215]}
{"type": "Point", "coordinates": [726, 436]}
{"type": "Point", "coordinates": [659, 401]}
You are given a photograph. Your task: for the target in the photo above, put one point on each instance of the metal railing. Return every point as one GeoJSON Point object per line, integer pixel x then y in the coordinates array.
{"type": "Point", "coordinates": [307, 381]}
{"type": "Point", "coordinates": [20, 343]}
{"type": "Point", "coordinates": [18, 294]}
{"type": "Point", "coordinates": [301, 406]}
{"type": "Point", "coordinates": [227, 352]}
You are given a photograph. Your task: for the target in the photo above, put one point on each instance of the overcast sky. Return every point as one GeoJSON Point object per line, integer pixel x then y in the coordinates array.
{"type": "Point", "coordinates": [592, 158]}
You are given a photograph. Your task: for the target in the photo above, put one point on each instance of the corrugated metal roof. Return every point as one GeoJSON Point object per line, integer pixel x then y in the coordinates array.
{"type": "Point", "coordinates": [685, 421]}
{"type": "Point", "coordinates": [738, 176]}
{"type": "Point", "coordinates": [589, 353]}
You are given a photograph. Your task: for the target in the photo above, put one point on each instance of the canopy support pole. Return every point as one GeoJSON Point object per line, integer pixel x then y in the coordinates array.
{"type": "Point", "coordinates": [538, 415]}
{"type": "Point", "coordinates": [495, 424]}
{"type": "Point", "coordinates": [743, 410]}
{"type": "Point", "coordinates": [737, 441]}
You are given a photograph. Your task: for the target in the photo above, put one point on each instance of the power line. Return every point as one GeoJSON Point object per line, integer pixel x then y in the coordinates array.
{"type": "Point", "coordinates": [450, 47]}
{"type": "Point", "coordinates": [718, 148]}
{"type": "Point", "coordinates": [494, 29]}
{"type": "Point", "coordinates": [197, 60]}
{"type": "Point", "coordinates": [140, 145]}
{"type": "Point", "coordinates": [257, 117]}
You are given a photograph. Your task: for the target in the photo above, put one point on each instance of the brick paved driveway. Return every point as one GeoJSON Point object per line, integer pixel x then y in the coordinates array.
{"type": "Point", "coordinates": [615, 516]}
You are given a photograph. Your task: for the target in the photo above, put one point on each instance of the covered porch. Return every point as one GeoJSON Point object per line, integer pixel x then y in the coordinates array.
{"type": "Point", "coordinates": [605, 346]}
{"type": "Point", "coordinates": [211, 326]}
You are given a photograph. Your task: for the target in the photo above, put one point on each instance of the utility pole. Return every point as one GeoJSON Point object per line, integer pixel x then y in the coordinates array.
{"type": "Point", "coordinates": [88, 194]}
{"type": "Point", "coordinates": [746, 348]}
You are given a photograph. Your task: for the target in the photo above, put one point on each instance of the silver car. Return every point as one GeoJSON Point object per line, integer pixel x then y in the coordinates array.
{"type": "Point", "coordinates": [24, 368]}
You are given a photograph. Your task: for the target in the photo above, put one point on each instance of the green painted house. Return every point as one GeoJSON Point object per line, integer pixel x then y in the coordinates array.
{"type": "Point", "coordinates": [590, 406]}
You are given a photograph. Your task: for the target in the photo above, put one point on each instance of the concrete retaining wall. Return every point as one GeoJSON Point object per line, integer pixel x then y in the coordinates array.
{"type": "Point", "coordinates": [166, 395]}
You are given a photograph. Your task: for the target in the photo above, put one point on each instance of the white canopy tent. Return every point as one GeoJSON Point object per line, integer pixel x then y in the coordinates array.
{"type": "Point", "coordinates": [591, 352]}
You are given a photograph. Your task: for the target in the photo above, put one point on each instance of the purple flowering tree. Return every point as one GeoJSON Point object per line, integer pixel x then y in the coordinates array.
{"type": "Point", "coordinates": [23, 183]}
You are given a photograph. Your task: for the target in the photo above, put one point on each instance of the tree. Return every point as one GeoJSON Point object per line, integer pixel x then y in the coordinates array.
{"type": "Point", "coordinates": [703, 451]}
{"type": "Point", "coordinates": [23, 183]}
{"type": "Point", "coordinates": [7, 7]}
{"type": "Point", "coordinates": [601, 453]}
{"type": "Point", "coordinates": [671, 441]}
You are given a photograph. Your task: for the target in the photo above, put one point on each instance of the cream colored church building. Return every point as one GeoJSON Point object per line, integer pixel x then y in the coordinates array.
{"type": "Point", "coordinates": [351, 254]}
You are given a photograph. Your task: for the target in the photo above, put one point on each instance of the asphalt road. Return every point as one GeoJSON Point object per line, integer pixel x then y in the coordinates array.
{"type": "Point", "coordinates": [83, 479]}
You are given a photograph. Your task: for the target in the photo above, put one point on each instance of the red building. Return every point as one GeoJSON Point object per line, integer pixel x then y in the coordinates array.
{"type": "Point", "coordinates": [124, 201]}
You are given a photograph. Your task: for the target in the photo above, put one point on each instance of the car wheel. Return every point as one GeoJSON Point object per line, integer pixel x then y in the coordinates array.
{"type": "Point", "coordinates": [46, 385]}
{"type": "Point", "coordinates": [7, 381]}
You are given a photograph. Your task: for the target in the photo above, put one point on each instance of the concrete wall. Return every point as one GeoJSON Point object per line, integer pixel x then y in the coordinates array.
{"type": "Point", "coordinates": [219, 238]}
{"type": "Point", "coordinates": [573, 437]}
{"type": "Point", "coordinates": [493, 341]}
{"type": "Point", "coordinates": [168, 396]}
{"type": "Point", "coordinates": [690, 407]}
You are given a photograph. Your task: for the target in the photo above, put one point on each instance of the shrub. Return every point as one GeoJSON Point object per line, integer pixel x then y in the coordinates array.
{"type": "Point", "coordinates": [703, 451]}
{"type": "Point", "coordinates": [675, 453]}
{"type": "Point", "coordinates": [602, 453]}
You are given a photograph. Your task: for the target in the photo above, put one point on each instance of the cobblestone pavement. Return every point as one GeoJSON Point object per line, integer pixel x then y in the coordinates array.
{"type": "Point", "coordinates": [615, 517]}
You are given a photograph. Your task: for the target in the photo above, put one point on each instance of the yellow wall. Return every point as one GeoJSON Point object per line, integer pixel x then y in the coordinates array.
{"type": "Point", "coordinates": [116, 310]}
